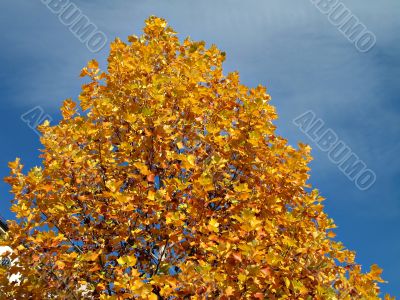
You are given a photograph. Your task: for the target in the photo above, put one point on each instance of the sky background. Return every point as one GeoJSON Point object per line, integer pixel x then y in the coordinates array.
{"type": "Point", "coordinates": [286, 45]}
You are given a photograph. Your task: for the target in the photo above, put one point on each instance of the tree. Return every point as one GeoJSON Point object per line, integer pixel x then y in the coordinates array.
{"type": "Point", "coordinates": [170, 183]}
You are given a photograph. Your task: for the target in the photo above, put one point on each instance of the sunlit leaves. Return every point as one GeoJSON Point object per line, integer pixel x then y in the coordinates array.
{"type": "Point", "coordinates": [169, 182]}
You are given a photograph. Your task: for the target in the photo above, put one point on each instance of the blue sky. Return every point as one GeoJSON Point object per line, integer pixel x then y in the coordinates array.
{"type": "Point", "coordinates": [289, 46]}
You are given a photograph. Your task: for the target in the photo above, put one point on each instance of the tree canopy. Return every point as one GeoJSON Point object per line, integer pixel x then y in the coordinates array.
{"type": "Point", "coordinates": [169, 182]}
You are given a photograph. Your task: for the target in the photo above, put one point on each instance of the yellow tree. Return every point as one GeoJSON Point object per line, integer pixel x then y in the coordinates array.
{"type": "Point", "coordinates": [169, 183]}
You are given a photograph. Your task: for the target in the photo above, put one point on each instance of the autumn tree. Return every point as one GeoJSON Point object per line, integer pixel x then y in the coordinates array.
{"type": "Point", "coordinates": [169, 182]}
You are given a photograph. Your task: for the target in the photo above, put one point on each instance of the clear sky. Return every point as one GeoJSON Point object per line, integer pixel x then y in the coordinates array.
{"type": "Point", "coordinates": [288, 46]}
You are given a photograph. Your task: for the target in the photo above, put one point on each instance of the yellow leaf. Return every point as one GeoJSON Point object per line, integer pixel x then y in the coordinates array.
{"type": "Point", "coordinates": [152, 296]}
{"type": "Point", "coordinates": [60, 265]}
{"type": "Point", "coordinates": [129, 261]}
{"type": "Point", "coordinates": [242, 188]}
{"type": "Point", "coordinates": [73, 255]}
{"type": "Point", "coordinates": [213, 225]}
{"type": "Point", "coordinates": [151, 195]}
{"type": "Point", "coordinates": [375, 273]}
{"type": "Point", "coordinates": [191, 159]}
{"type": "Point", "coordinates": [242, 277]}
{"type": "Point", "coordinates": [287, 282]}
{"type": "Point", "coordinates": [93, 64]}
{"type": "Point", "coordinates": [331, 234]}
{"type": "Point", "coordinates": [142, 168]}
{"type": "Point", "coordinates": [229, 291]}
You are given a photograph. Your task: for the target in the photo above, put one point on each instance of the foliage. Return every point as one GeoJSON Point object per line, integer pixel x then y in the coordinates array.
{"type": "Point", "coordinates": [170, 183]}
